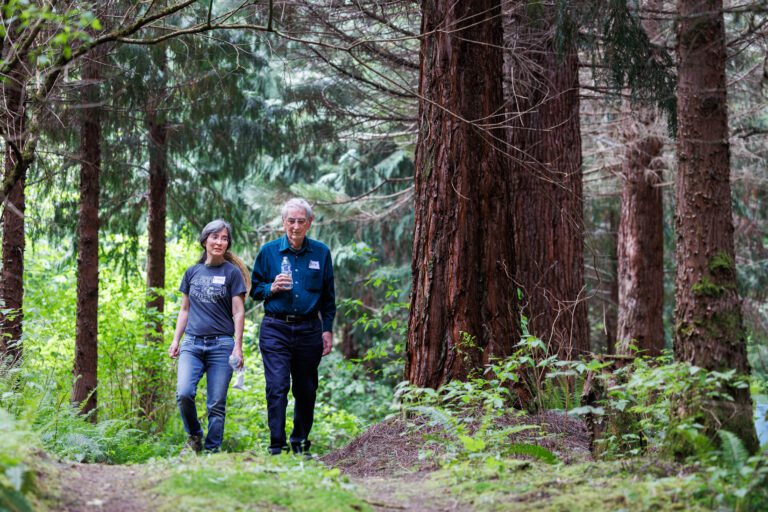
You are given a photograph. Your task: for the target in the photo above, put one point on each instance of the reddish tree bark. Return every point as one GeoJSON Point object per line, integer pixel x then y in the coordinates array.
{"type": "Point", "coordinates": [641, 230]}
{"type": "Point", "coordinates": [463, 304]}
{"type": "Point", "coordinates": [12, 284]}
{"type": "Point", "coordinates": [86, 325]}
{"type": "Point", "coordinates": [156, 219]}
{"type": "Point", "coordinates": [542, 101]}
{"type": "Point", "coordinates": [709, 330]}
{"type": "Point", "coordinates": [641, 240]}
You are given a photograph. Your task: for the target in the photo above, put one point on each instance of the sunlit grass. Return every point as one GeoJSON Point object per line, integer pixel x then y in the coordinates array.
{"type": "Point", "coordinates": [255, 482]}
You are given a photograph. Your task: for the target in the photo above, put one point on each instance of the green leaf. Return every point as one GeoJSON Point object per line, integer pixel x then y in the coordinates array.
{"type": "Point", "coordinates": [471, 444]}
{"type": "Point", "coordinates": [535, 451]}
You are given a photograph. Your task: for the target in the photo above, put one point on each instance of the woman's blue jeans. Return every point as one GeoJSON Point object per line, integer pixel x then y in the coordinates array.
{"type": "Point", "coordinates": [209, 355]}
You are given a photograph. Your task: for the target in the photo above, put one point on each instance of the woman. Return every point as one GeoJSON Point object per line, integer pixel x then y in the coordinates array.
{"type": "Point", "coordinates": [211, 320]}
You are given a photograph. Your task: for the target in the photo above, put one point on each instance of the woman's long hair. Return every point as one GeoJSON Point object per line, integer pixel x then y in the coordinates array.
{"type": "Point", "coordinates": [214, 227]}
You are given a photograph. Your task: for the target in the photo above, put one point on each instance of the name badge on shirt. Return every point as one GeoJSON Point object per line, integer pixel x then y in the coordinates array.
{"type": "Point", "coordinates": [219, 279]}
{"type": "Point", "coordinates": [314, 265]}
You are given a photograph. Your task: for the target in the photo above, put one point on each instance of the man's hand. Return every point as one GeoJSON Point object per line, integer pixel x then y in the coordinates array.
{"type": "Point", "coordinates": [281, 283]}
{"type": "Point", "coordinates": [238, 352]}
{"type": "Point", "coordinates": [327, 342]}
{"type": "Point", "coordinates": [173, 350]}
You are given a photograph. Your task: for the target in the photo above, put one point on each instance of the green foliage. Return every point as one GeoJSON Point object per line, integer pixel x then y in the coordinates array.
{"type": "Point", "coordinates": [544, 381]}
{"type": "Point", "coordinates": [17, 480]}
{"type": "Point", "coordinates": [707, 288]}
{"type": "Point", "coordinates": [65, 29]}
{"type": "Point", "coordinates": [499, 484]}
{"type": "Point", "coordinates": [355, 388]}
{"type": "Point", "coordinates": [733, 478]}
{"type": "Point", "coordinates": [469, 416]}
{"type": "Point", "coordinates": [632, 61]}
{"type": "Point", "coordinates": [123, 320]}
{"type": "Point", "coordinates": [662, 403]}
{"type": "Point", "coordinates": [67, 434]}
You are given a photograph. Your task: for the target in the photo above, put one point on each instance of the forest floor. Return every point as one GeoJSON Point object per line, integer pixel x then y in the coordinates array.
{"type": "Point", "coordinates": [394, 466]}
{"type": "Point", "coordinates": [92, 487]}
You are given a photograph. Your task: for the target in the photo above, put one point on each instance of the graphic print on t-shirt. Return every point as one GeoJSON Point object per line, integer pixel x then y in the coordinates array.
{"type": "Point", "coordinates": [206, 289]}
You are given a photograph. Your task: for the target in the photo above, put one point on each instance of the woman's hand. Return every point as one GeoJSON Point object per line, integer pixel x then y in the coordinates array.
{"type": "Point", "coordinates": [173, 350]}
{"type": "Point", "coordinates": [238, 352]}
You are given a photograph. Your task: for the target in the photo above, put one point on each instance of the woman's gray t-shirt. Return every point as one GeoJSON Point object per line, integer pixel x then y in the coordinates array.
{"type": "Point", "coordinates": [210, 290]}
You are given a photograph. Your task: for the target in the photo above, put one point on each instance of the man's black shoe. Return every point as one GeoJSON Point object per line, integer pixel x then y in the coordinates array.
{"type": "Point", "coordinates": [194, 444]}
{"type": "Point", "coordinates": [302, 448]}
{"type": "Point", "coordinates": [277, 451]}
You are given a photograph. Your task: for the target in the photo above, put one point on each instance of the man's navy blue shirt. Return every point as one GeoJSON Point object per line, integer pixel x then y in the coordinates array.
{"type": "Point", "coordinates": [313, 288]}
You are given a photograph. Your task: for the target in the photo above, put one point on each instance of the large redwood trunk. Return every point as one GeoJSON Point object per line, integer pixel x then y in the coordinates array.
{"type": "Point", "coordinates": [709, 330]}
{"type": "Point", "coordinates": [641, 239]}
{"type": "Point", "coordinates": [542, 101]}
{"type": "Point", "coordinates": [12, 284]}
{"type": "Point", "coordinates": [86, 337]}
{"type": "Point", "coordinates": [641, 230]}
{"type": "Point", "coordinates": [463, 304]}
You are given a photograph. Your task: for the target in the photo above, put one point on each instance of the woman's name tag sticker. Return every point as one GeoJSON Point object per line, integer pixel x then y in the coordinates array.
{"type": "Point", "coordinates": [219, 279]}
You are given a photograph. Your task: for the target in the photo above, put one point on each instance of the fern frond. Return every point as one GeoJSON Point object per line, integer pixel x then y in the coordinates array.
{"type": "Point", "coordinates": [732, 451]}
{"type": "Point", "coordinates": [533, 450]}
{"type": "Point", "coordinates": [437, 416]}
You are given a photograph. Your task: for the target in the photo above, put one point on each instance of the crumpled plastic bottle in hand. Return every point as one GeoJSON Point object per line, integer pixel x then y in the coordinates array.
{"type": "Point", "coordinates": [239, 382]}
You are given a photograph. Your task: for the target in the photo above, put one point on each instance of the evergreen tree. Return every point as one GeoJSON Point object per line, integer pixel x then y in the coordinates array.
{"type": "Point", "coordinates": [463, 303]}
{"type": "Point", "coordinates": [709, 329]}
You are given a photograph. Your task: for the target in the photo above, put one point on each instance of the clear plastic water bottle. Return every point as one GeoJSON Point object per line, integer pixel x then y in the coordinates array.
{"type": "Point", "coordinates": [285, 268]}
{"type": "Point", "coordinates": [235, 362]}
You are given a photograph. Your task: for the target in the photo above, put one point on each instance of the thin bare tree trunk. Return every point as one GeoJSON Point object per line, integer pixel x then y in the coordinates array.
{"type": "Point", "coordinates": [709, 328]}
{"type": "Point", "coordinates": [542, 101]}
{"type": "Point", "coordinates": [611, 310]}
{"type": "Point", "coordinates": [463, 304]}
{"type": "Point", "coordinates": [86, 337]}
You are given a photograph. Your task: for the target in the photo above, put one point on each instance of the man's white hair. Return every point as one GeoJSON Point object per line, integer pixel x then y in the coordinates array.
{"type": "Point", "coordinates": [297, 202]}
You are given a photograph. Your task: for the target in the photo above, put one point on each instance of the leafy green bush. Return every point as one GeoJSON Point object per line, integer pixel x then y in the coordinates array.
{"type": "Point", "coordinates": [468, 413]}
{"type": "Point", "coordinates": [17, 482]}
{"type": "Point", "coordinates": [661, 403]}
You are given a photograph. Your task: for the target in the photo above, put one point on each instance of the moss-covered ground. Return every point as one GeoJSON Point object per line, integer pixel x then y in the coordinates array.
{"type": "Point", "coordinates": [259, 482]}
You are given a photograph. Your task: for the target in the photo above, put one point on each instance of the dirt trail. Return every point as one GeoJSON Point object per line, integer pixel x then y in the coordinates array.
{"type": "Point", "coordinates": [95, 487]}
{"type": "Point", "coordinates": [387, 464]}
{"type": "Point", "coordinates": [410, 493]}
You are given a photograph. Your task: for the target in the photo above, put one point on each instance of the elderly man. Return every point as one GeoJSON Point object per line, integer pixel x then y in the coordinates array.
{"type": "Point", "coordinates": [293, 275]}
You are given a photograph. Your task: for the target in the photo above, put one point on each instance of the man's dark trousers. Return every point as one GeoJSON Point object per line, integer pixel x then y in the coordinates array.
{"type": "Point", "coordinates": [290, 351]}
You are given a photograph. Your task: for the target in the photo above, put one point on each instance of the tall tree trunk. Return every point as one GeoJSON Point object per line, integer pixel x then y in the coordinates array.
{"type": "Point", "coordinates": [641, 229]}
{"type": "Point", "coordinates": [611, 310]}
{"type": "Point", "coordinates": [12, 284]}
{"type": "Point", "coordinates": [641, 240]}
{"type": "Point", "coordinates": [542, 101]}
{"type": "Point", "coordinates": [86, 337]}
{"type": "Point", "coordinates": [156, 217]}
{"type": "Point", "coordinates": [709, 329]}
{"type": "Point", "coordinates": [463, 304]}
